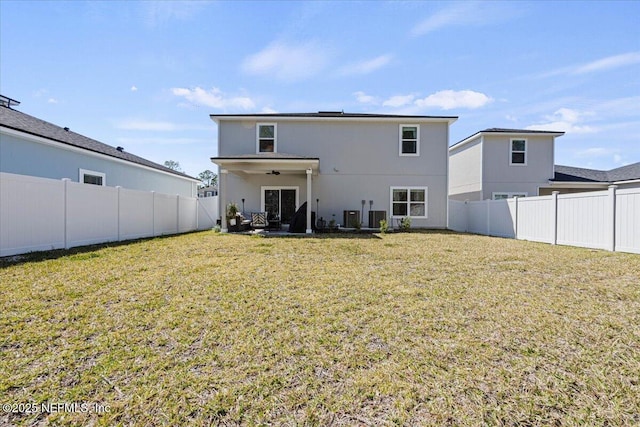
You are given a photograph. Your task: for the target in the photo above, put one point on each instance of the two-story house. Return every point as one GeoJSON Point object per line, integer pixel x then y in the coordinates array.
{"type": "Point", "coordinates": [502, 163]}
{"type": "Point", "coordinates": [335, 162]}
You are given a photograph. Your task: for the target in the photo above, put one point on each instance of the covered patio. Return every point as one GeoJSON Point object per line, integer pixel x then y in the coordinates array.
{"type": "Point", "coordinates": [251, 167]}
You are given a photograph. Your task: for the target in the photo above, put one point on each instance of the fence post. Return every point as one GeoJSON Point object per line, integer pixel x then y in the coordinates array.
{"type": "Point", "coordinates": [118, 188]}
{"type": "Point", "coordinates": [466, 216]}
{"type": "Point", "coordinates": [554, 195]}
{"type": "Point", "coordinates": [611, 246]}
{"type": "Point", "coordinates": [66, 211]}
{"type": "Point", "coordinates": [153, 214]}
{"type": "Point", "coordinates": [197, 214]}
{"type": "Point", "coordinates": [177, 213]}
{"type": "Point", "coordinates": [515, 219]}
{"type": "Point", "coordinates": [488, 202]}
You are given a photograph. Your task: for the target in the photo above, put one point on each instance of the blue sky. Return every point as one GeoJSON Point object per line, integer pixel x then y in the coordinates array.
{"type": "Point", "coordinates": [146, 75]}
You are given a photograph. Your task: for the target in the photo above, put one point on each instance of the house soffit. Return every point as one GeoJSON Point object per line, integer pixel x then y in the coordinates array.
{"type": "Point", "coordinates": [258, 166]}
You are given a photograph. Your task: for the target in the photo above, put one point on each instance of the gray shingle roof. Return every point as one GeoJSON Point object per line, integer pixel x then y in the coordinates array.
{"type": "Point", "coordinates": [573, 174]}
{"type": "Point", "coordinates": [504, 130]}
{"type": "Point", "coordinates": [336, 114]}
{"type": "Point", "coordinates": [22, 122]}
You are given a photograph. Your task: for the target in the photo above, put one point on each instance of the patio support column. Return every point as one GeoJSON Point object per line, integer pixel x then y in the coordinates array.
{"type": "Point", "coordinates": [223, 200]}
{"type": "Point", "coordinates": [309, 201]}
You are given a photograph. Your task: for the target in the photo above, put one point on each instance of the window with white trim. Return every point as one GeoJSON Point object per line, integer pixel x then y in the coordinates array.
{"type": "Point", "coordinates": [507, 195]}
{"type": "Point", "coordinates": [266, 138]}
{"type": "Point", "coordinates": [409, 140]}
{"type": "Point", "coordinates": [92, 177]}
{"type": "Point", "coordinates": [518, 152]}
{"type": "Point", "coordinates": [409, 201]}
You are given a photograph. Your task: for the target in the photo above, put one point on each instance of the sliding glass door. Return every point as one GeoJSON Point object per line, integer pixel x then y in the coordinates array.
{"type": "Point", "coordinates": [280, 202]}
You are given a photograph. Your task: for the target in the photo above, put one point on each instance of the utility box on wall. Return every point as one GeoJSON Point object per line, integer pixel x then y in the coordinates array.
{"type": "Point", "coordinates": [375, 217]}
{"type": "Point", "coordinates": [351, 218]}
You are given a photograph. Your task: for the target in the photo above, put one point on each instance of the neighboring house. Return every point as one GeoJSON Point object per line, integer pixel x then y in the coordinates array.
{"type": "Point", "coordinates": [208, 191]}
{"type": "Point", "coordinates": [501, 163]}
{"type": "Point", "coordinates": [390, 164]}
{"type": "Point", "coordinates": [569, 179]}
{"type": "Point", "coordinates": [30, 146]}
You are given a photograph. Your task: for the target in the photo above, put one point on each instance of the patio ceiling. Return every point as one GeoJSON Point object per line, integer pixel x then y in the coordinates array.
{"type": "Point", "coordinates": [271, 163]}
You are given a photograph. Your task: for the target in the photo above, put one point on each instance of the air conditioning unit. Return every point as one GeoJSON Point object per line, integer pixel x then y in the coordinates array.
{"type": "Point", "coordinates": [375, 217]}
{"type": "Point", "coordinates": [351, 218]}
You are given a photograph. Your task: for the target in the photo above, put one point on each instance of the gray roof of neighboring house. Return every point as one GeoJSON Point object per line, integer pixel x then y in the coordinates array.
{"type": "Point", "coordinates": [512, 131]}
{"type": "Point", "coordinates": [22, 122]}
{"type": "Point", "coordinates": [573, 174]}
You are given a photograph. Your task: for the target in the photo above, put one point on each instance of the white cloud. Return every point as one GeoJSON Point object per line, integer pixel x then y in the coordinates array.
{"type": "Point", "coordinates": [52, 101]}
{"type": "Point", "coordinates": [145, 125]}
{"type": "Point", "coordinates": [160, 141]}
{"type": "Point", "coordinates": [137, 124]}
{"type": "Point", "coordinates": [366, 66]}
{"type": "Point", "coordinates": [289, 62]}
{"type": "Point", "coordinates": [398, 101]}
{"type": "Point", "coordinates": [609, 63]}
{"type": "Point", "coordinates": [595, 152]}
{"type": "Point", "coordinates": [565, 120]}
{"type": "Point", "coordinates": [161, 12]}
{"type": "Point", "coordinates": [450, 99]}
{"type": "Point", "coordinates": [465, 13]}
{"type": "Point", "coordinates": [213, 98]}
{"type": "Point", "coordinates": [134, 89]}
{"type": "Point", "coordinates": [363, 98]}
{"type": "Point", "coordinates": [603, 64]}
{"type": "Point", "coordinates": [600, 153]}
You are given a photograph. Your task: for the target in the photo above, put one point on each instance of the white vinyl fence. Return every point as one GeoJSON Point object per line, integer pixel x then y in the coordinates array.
{"type": "Point", "coordinates": [42, 214]}
{"type": "Point", "coordinates": [602, 219]}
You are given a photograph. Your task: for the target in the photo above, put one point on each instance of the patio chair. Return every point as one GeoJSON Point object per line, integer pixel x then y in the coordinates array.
{"type": "Point", "coordinates": [259, 220]}
{"type": "Point", "coordinates": [245, 223]}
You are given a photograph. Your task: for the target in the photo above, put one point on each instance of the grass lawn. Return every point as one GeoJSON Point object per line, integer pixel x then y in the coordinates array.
{"type": "Point", "coordinates": [431, 328]}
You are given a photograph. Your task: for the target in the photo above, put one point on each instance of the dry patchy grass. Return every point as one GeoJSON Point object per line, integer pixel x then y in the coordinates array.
{"type": "Point", "coordinates": [405, 329]}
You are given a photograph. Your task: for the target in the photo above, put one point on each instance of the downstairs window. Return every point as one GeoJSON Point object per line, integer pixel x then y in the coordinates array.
{"type": "Point", "coordinates": [409, 201]}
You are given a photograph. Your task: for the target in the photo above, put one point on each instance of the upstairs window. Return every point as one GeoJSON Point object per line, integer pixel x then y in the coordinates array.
{"type": "Point", "coordinates": [518, 152]}
{"type": "Point", "coordinates": [266, 138]}
{"type": "Point", "coordinates": [409, 140]}
{"type": "Point", "coordinates": [92, 177]}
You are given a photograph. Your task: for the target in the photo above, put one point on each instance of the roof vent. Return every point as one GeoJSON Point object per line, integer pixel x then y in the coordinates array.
{"type": "Point", "coordinates": [120, 149]}
{"type": "Point", "coordinates": [67, 129]}
{"type": "Point", "coordinates": [8, 102]}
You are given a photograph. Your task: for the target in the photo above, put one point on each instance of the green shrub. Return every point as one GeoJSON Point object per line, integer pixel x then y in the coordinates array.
{"type": "Point", "coordinates": [405, 224]}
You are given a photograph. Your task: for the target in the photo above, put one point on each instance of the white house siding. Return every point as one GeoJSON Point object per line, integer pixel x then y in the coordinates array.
{"type": "Point", "coordinates": [500, 176]}
{"type": "Point", "coordinates": [359, 160]}
{"type": "Point", "coordinates": [465, 171]}
{"type": "Point", "coordinates": [26, 156]}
